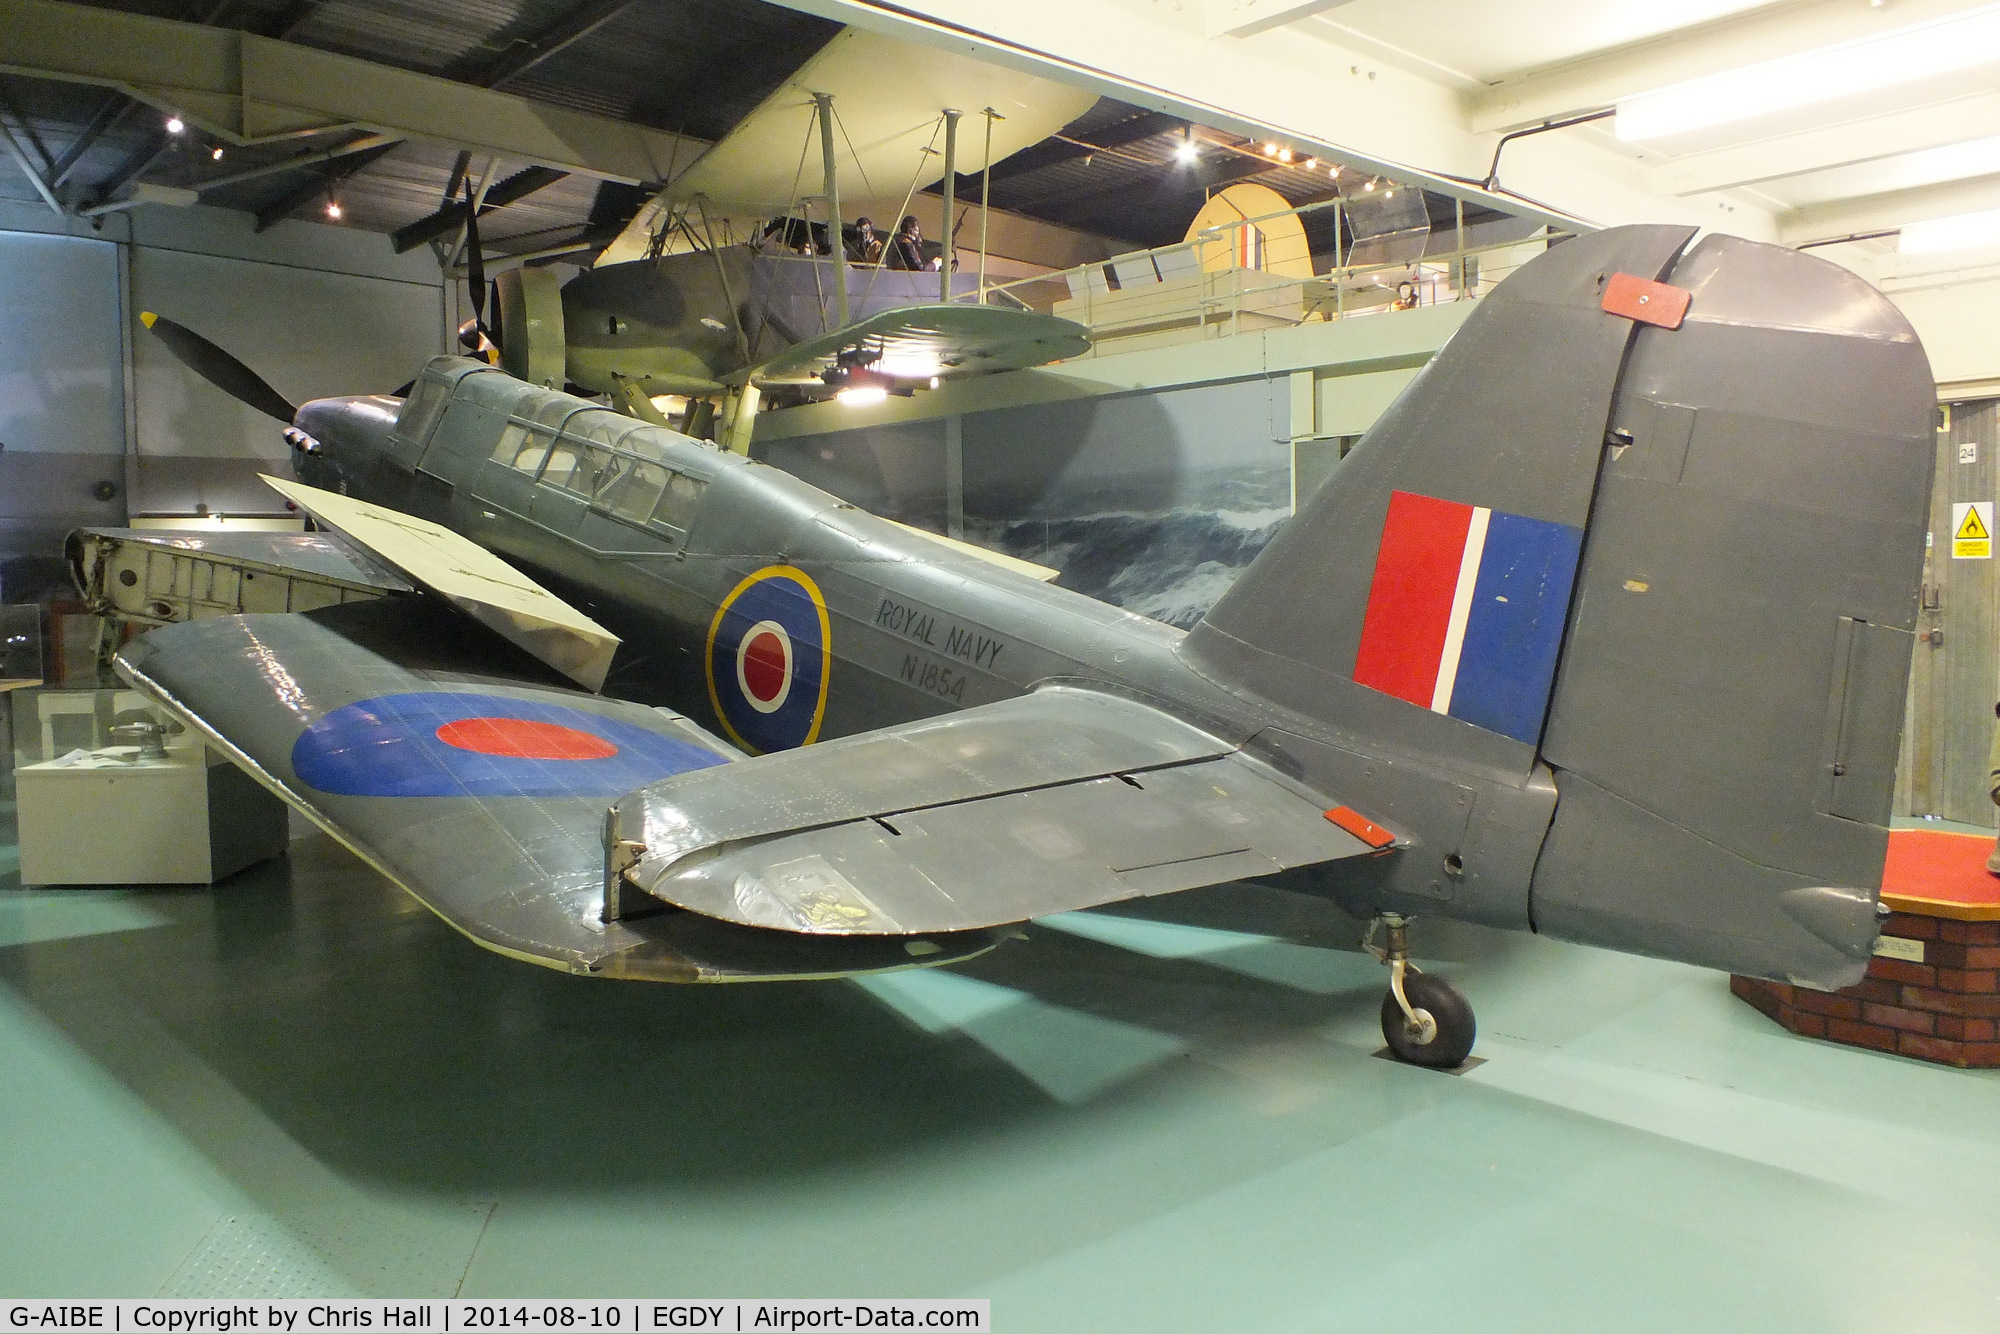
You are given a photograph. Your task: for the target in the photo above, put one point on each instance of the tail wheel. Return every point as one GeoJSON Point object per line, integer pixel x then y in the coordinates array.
{"type": "Point", "coordinates": [1446, 1041]}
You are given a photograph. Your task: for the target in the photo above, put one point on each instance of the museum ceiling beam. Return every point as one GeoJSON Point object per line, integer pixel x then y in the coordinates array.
{"type": "Point", "coordinates": [1315, 92]}
{"type": "Point", "coordinates": [1051, 151]}
{"type": "Point", "coordinates": [1826, 148]}
{"type": "Point", "coordinates": [28, 166]}
{"type": "Point", "coordinates": [324, 182]}
{"type": "Point", "coordinates": [1241, 18]}
{"type": "Point", "coordinates": [112, 110]}
{"type": "Point", "coordinates": [522, 55]}
{"type": "Point", "coordinates": [1603, 79]}
{"type": "Point", "coordinates": [1108, 207]}
{"type": "Point", "coordinates": [1877, 213]}
{"type": "Point", "coordinates": [452, 216]}
{"type": "Point", "coordinates": [245, 89]}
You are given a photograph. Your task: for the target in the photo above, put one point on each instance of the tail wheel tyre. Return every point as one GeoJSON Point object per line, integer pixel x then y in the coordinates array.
{"type": "Point", "coordinates": [1452, 1042]}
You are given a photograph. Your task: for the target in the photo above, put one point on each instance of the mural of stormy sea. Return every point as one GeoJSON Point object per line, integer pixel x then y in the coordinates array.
{"type": "Point", "coordinates": [1170, 565]}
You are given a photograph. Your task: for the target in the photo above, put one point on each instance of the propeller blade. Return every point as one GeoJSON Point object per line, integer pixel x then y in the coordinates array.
{"type": "Point", "coordinates": [475, 263]}
{"type": "Point", "coordinates": [217, 367]}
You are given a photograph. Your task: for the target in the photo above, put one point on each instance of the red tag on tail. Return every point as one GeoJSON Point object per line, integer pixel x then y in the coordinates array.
{"type": "Point", "coordinates": [1646, 301]}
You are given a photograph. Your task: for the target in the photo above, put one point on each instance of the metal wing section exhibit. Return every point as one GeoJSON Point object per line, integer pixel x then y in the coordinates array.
{"type": "Point", "coordinates": [918, 342]}
{"type": "Point", "coordinates": [471, 776]}
{"type": "Point", "coordinates": [1054, 801]}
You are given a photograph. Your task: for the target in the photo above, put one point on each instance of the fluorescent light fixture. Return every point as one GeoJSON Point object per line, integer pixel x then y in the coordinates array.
{"type": "Point", "coordinates": [862, 395]}
{"type": "Point", "coordinates": [1964, 231]}
{"type": "Point", "coordinates": [1865, 65]}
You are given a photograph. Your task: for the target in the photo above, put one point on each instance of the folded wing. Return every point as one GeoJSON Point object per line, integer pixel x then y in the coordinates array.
{"type": "Point", "coordinates": [472, 776]}
{"type": "Point", "coordinates": [1054, 801]}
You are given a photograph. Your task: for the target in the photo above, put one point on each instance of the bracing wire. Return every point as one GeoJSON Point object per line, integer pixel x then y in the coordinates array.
{"type": "Point", "coordinates": [908, 195]}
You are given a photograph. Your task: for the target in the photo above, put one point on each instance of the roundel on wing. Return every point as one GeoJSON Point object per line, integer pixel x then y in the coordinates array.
{"type": "Point", "coordinates": [769, 656]}
{"type": "Point", "coordinates": [459, 744]}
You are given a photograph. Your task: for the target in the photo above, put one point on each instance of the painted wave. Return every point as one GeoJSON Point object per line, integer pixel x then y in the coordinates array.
{"type": "Point", "coordinates": [1170, 565]}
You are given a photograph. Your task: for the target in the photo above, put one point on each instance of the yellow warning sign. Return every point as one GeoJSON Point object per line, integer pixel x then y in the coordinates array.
{"type": "Point", "coordinates": [1972, 530]}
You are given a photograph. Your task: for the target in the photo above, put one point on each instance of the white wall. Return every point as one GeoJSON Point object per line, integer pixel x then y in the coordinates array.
{"type": "Point", "coordinates": [1960, 326]}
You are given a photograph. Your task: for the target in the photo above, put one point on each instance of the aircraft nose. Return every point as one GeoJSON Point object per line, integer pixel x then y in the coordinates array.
{"type": "Point", "coordinates": [342, 430]}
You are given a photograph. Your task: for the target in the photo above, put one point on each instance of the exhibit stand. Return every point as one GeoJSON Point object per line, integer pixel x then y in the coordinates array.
{"type": "Point", "coordinates": [110, 793]}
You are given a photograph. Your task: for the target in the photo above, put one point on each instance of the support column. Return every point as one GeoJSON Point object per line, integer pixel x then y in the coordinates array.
{"type": "Point", "coordinates": [986, 197]}
{"type": "Point", "coordinates": [823, 104]}
{"type": "Point", "coordinates": [950, 185]}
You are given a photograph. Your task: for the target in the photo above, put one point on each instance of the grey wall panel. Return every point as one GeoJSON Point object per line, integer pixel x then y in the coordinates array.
{"type": "Point", "coordinates": [896, 471]}
{"type": "Point", "coordinates": [44, 494]}
{"type": "Point", "coordinates": [310, 333]}
{"type": "Point", "coordinates": [61, 376]}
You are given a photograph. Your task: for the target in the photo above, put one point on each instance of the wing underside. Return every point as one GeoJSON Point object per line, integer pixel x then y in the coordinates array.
{"type": "Point", "coordinates": [940, 339]}
{"type": "Point", "coordinates": [1054, 801]}
{"type": "Point", "coordinates": [471, 776]}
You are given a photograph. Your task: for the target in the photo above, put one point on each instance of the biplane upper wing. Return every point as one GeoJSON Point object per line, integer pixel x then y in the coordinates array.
{"type": "Point", "coordinates": [471, 775]}
{"type": "Point", "coordinates": [1061, 799]}
{"type": "Point", "coordinates": [955, 338]}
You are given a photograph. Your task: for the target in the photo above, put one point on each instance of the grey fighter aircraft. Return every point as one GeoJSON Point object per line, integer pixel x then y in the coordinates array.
{"type": "Point", "coordinates": [1601, 632]}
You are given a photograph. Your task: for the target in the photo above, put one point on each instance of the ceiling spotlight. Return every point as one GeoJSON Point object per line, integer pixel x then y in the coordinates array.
{"type": "Point", "coordinates": [861, 395]}
{"type": "Point", "coordinates": [175, 125]}
{"type": "Point", "coordinates": [333, 209]}
{"type": "Point", "coordinates": [1311, 162]}
{"type": "Point", "coordinates": [1284, 155]}
{"type": "Point", "coordinates": [1369, 186]}
{"type": "Point", "coordinates": [215, 154]}
{"type": "Point", "coordinates": [1270, 150]}
{"type": "Point", "coordinates": [1389, 194]}
{"type": "Point", "coordinates": [1334, 172]}
{"type": "Point", "coordinates": [1185, 151]}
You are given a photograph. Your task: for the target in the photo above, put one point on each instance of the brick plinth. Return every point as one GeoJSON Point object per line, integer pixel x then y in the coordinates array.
{"type": "Point", "coordinates": [1945, 1008]}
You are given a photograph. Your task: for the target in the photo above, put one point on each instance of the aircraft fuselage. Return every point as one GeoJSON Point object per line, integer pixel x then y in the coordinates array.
{"type": "Point", "coordinates": [781, 615]}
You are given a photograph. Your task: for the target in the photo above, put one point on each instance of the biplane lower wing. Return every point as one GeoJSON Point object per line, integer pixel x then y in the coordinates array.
{"type": "Point", "coordinates": [471, 776]}
{"type": "Point", "coordinates": [1053, 801]}
{"type": "Point", "coordinates": [953, 338]}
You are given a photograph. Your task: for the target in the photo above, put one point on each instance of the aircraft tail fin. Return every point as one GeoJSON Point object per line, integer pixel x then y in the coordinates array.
{"type": "Point", "coordinates": [1651, 526]}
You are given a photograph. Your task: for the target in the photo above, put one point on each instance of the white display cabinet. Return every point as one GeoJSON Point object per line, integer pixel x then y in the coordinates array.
{"type": "Point", "coordinates": [102, 802]}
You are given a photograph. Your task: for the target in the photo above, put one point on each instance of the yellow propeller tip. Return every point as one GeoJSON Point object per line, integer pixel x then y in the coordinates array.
{"type": "Point", "coordinates": [146, 317]}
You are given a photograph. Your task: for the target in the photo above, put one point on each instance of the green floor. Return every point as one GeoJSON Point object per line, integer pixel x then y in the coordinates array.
{"type": "Point", "coordinates": [302, 1084]}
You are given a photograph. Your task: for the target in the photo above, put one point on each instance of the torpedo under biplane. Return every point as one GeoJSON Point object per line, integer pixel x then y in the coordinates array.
{"type": "Point", "coordinates": [1602, 631]}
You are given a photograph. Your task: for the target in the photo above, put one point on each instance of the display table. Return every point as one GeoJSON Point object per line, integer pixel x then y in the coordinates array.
{"type": "Point", "coordinates": [109, 814]}
{"type": "Point", "coordinates": [1933, 989]}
